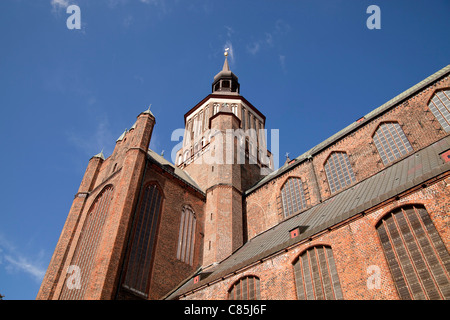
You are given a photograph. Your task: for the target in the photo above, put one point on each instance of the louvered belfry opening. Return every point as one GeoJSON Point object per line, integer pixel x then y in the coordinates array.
{"type": "Point", "coordinates": [143, 237]}
{"type": "Point", "coordinates": [246, 288]}
{"type": "Point", "coordinates": [316, 275]}
{"type": "Point", "coordinates": [88, 242]}
{"type": "Point", "coordinates": [418, 259]}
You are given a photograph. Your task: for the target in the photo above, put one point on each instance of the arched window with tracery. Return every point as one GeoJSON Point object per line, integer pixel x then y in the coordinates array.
{"type": "Point", "coordinates": [292, 196]}
{"type": "Point", "coordinates": [418, 259]}
{"type": "Point", "coordinates": [391, 142]}
{"type": "Point", "coordinates": [316, 275]}
{"type": "Point", "coordinates": [88, 243]}
{"type": "Point", "coordinates": [440, 107]}
{"type": "Point", "coordinates": [143, 239]}
{"type": "Point", "coordinates": [186, 236]}
{"type": "Point", "coordinates": [339, 171]}
{"type": "Point", "coordinates": [246, 288]}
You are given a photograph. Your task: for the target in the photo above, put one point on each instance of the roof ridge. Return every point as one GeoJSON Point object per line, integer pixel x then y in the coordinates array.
{"type": "Point", "coordinates": [354, 125]}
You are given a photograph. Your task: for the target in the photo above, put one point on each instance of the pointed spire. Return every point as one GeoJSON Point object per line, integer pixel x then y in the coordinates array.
{"type": "Point", "coordinates": [226, 67]}
{"type": "Point", "coordinates": [148, 110]}
{"type": "Point", "coordinates": [122, 135]}
{"type": "Point", "coordinates": [226, 81]}
{"type": "Point", "coordinates": [99, 155]}
{"type": "Point", "coordinates": [287, 159]}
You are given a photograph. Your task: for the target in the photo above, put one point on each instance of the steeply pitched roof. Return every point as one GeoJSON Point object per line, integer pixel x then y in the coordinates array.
{"type": "Point", "coordinates": [393, 180]}
{"type": "Point", "coordinates": [353, 126]}
{"type": "Point", "coordinates": [173, 170]}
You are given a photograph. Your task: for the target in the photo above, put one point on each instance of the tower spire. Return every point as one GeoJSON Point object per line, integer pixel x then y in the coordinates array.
{"type": "Point", "coordinates": [226, 67]}
{"type": "Point", "coordinates": [226, 81]}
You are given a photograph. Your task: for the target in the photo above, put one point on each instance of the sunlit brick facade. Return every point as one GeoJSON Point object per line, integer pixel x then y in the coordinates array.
{"type": "Point", "coordinates": [362, 215]}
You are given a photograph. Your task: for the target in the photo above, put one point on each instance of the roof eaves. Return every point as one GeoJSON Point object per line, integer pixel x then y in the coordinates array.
{"type": "Point", "coordinates": [353, 126]}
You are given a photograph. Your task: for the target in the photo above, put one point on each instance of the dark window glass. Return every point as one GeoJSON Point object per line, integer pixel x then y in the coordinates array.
{"type": "Point", "coordinates": [143, 241]}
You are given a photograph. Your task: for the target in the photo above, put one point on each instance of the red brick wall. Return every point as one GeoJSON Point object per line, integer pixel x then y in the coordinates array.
{"type": "Point", "coordinates": [129, 154]}
{"type": "Point", "coordinates": [355, 247]}
{"type": "Point", "coordinates": [167, 270]}
{"type": "Point", "coordinates": [418, 123]}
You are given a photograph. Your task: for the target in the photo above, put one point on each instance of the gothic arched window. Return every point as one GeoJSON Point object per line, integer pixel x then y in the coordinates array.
{"type": "Point", "coordinates": [316, 276]}
{"type": "Point", "coordinates": [391, 142]}
{"type": "Point", "coordinates": [143, 239]}
{"type": "Point", "coordinates": [88, 242]}
{"type": "Point", "coordinates": [339, 171]}
{"type": "Point", "coordinates": [292, 196]}
{"type": "Point", "coordinates": [246, 288]}
{"type": "Point", "coordinates": [418, 259]}
{"type": "Point", "coordinates": [186, 236]}
{"type": "Point", "coordinates": [440, 107]}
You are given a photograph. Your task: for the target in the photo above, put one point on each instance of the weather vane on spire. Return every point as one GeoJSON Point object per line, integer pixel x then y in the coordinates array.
{"type": "Point", "coordinates": [226, 52]}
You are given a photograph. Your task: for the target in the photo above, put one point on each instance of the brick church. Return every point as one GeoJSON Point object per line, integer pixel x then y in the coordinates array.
{"type": "Point", "coordinates": [362, 215]}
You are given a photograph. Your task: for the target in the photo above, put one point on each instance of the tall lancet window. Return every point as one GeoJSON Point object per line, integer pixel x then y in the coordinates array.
{"type": "Point", "coordinates": [186, 236]}
{"type": "Point", "coordinates": [316, 275]}
{"type": "Point", "coordinates": [417, 257]}
{"type": "Point", "coordinates": [143, 237]}
{"type": "Point", "coordinates": [86, 250]}
{"type": "Point", "coordinates": [440, 106]}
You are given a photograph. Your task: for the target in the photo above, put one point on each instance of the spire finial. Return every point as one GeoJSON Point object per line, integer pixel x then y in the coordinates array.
{"type": "Point", "coordinates": [287, 159]}
{"type": "Point", "coordinates": [226, 67]}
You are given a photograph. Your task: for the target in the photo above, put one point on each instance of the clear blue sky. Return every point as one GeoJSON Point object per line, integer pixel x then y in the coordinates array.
{"type": "Point", "coordinates": [312, 67]}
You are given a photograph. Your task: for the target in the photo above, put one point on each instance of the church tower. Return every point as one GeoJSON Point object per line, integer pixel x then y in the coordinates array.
{"type": "Point", "coordinates": [224, 150]}
{"type": "Point", "coordinates": [140, 225]}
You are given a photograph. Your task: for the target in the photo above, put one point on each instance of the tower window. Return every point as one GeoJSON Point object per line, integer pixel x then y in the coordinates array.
{"type": "Point", "coordinates": [417, 257]}
{"type": "Point", "coordinates": [186, 236]}
{"type": "Point", "coordinates": [316, 275]}
{"type": "Point", "coordinates": [225, 84]}
{"type": "Point", "coordinates": [391, 142]}
{"type": "Point", "coordinates": [440, 107]}
{"type": "Point", "coordinates": [246, 288]}
{"type": "Point", "coordinates": [339, 171]}
{"type": "Point", "coordinates": [143, 241]}
{"type": "Point", "coordinates": [292, 196]}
